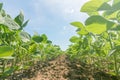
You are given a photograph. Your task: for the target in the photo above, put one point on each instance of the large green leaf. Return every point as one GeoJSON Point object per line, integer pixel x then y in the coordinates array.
{"type": "Point", "coordinates": [6, 51]}
{"type": "Point", "coordinates": [96, 28]}
{"type": "Point", "coordinates": [95, 19]}
{"type": "Point", "coordinates": [99, 20]}
{"type": "Point", "coordinates": [95, 5]}
{"type": "Point", "coordinates": [11, 24]}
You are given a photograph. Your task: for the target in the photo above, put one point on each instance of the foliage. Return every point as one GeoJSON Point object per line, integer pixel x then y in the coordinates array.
{"type": "Point", "coordinates": [18, 49]}
{"type": "Point", "coordinates": [98, 40]}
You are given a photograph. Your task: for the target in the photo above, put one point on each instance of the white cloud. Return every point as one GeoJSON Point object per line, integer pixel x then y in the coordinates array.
{"type": "Point", "coordinates": [63, 8]}
{"type": "Point", "coordinates": [68, 10]}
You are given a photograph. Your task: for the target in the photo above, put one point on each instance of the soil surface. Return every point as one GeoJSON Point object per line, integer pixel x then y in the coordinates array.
{"type": "Point", "coordinates": [62, 68]}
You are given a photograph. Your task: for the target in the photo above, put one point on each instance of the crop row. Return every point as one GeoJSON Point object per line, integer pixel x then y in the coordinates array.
{"type": "Point", "coordinates": [18, 49]}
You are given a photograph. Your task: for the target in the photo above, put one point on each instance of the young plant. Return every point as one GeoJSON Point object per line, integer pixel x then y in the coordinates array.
{"type": "Point", "coordinates": [103, 26]}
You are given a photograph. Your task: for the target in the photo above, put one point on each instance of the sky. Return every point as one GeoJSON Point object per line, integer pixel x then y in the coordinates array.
{"type": "Point", "coordinates": [50, 17]}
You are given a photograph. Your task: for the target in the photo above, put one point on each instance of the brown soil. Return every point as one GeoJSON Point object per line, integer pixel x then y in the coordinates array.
{"type": "Point", "coordinates": [62, 68]}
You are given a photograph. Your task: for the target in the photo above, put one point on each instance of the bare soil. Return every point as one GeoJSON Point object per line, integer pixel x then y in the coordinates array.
{"type": "Point", "coordinates": [62, 68]}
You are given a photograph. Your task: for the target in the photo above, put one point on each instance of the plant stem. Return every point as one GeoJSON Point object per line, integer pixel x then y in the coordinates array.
{"type": "Point", "coordinates": [114, 57]}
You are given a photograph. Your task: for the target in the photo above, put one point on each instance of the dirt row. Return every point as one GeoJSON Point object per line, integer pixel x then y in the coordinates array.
{"type": "Point", "coordinates": [62, 68]}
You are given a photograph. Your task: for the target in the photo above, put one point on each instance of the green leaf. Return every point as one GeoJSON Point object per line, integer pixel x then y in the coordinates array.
{"type": "Point", "coordinates": [74, 39]}
{"type": "Point", "coordinates": [112, 52]}
{"type": "Point", "coordinates": [99, 20]}
{"type": "Point", "coordinates": [77, 24]}
{"type": "Point", "coordinates": [6, 51]}
{"type": "Point", "coordinates": [1, 4]}
{"type": "Point", "coordinates": [37, 38]}
{"type": "Point", "coordinates": [93, 13]}
{"type": "Point", "coordinates": [11, 24]}
{"type": "Point", "coordinates": [116, 2]}
{"type": "Point", "coordinates": [25, 37]}
{"type": "Point", "coordinates": [96, 28]}
{"type": "Point", "coordinates": [110, 25]}
{"type": "Point", "coordinates": [44, 37]}
{"type": "Point", "coordinates": [95, 19]}
{"type": "Point", "coordinates": [113, 10]}
{"type": "Point", "coordinates": [25, 24]}
{"type": "Point", "coordinates": [33, 48]}
{"type": "Point", "coordinates": [19, 19]}
{"type": "Point", "coordinates": [82, 31]}
{"type": "Point", "coordinates": [49, 42]}
{"type": "Point", "coordinates": [81, 28]}
{"type": "Point", "coordinates": [94, 5]}
{"type": "Point", "coordinates": [104, 6]}
{"type": "Point", "coordinates": [116, 5]}
{"type": "Point", "coordinates": [117, 28]}
{"type": "Point", "coordinates": [110, 15]}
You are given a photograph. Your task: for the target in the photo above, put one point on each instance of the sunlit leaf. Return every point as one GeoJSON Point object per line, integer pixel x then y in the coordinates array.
{"type": "Point", "coordinates": [94, 5]}
{"type": "Point", "coordinates": [6, 51]}
{"type": "Point", "coordinates": [80, 26]}
{"type": "Point", "coordinates": [93, 13]}
{"type": "Point", "coordinates": [32, 48]}
{"type": "Point", "coordinates": [96, 28]}
{"type": "Point", "coordinates": [77, 24]}
{"type": "Point", "coordinates": [11, 24]}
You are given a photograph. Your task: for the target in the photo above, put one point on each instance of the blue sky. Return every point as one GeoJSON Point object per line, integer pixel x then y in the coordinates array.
{"type": "Point", "coordinates": [50, 17]}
